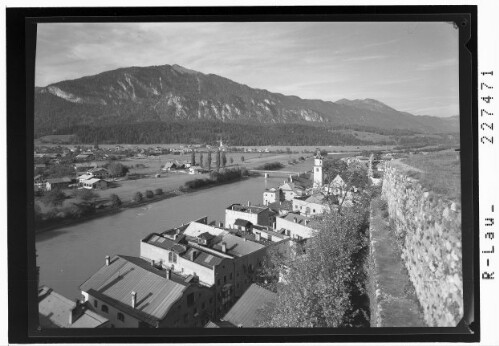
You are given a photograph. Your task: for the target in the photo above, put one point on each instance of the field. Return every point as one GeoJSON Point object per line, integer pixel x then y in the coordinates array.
{"type": "Point", "coordinates": [438, 171]}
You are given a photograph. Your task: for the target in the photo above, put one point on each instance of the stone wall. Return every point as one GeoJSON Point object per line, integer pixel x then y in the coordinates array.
{"type": "Point", "coordinates": [428, 228]}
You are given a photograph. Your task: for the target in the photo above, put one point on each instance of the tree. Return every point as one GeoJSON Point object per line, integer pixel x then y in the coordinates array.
{"type": "Point", "coordinates": [149, 194]}
{"type": "Point", "coordinates": [318, 286]}
{"type": "Point", "coordinates": [138, 197]}
{"type": "Point", "coordinates": [217, 160]}
{"type": "Point", "coordinates": [117, 169]}
{"type": "Point", "coordinates": [242, 158]}
{"type": "Point", "coordinates": [193, 158]}
{"type": "Point", "coordinates": [208, 160]}
{"type": "Point", "coordinates": [54, 197]}
{"type": "Point", "coordinates": [159, 191]}
{"type": "Point", "coordinates": [224, 159]}
{"type": "Point", "coordinates": [354, 176]}
{"type": "Point", "coordinates": [115, 200]}
{"type": "Point", "coordinates": [231, 160]}
{"type": "Point", "coordinates": [201, 160]}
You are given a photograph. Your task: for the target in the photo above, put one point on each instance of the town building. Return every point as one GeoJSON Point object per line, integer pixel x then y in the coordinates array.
{"type": "Point", "coordinates": [195, 169]}
{"type": "Point", "coordinates": [255, 214]}
{"type": "Point", "coordinates": [295, 226]}
{"type": "Point", "coordinates": [311, 205]}
{"type": "Point", "coordinates": [135, 293]}
{"type": "Point", "coordinates": [57, 311]}
{"type": "Point", "coordinates": [271, 195]}
{"type": "Point", "coordinates": [246, 312]}
{"type": "Point", "coordinates": [222, 260]}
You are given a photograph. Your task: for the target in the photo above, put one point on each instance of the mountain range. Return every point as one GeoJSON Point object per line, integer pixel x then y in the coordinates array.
{"type": "Point", "coordinates": [171, 93]}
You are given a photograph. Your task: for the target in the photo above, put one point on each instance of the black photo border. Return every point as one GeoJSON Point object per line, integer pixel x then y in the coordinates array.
{"type": "Point", "coordinates": [22, 292]}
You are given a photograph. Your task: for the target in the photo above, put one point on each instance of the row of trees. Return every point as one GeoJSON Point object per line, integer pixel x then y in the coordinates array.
{"type": "Point", "coordinates": [217, 177]}
{"type": "Point", "coordinates": [220, 159]}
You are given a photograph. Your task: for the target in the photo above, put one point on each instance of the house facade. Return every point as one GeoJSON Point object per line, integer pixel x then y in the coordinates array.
{"type": "Point", "coordinates": [295, 226]}
{"type": "Point", "coordinates": [134, 293]}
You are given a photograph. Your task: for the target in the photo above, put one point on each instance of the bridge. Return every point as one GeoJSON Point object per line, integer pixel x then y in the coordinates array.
{"type": "Point", "coordinates": [274, 173]}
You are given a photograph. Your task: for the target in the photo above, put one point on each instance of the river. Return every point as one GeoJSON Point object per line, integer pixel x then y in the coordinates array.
{"type": "Point", "coordinates": [68, 256]}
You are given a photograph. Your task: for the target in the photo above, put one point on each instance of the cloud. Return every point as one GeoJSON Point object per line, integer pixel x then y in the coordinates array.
{"type": "Point", "coordinates": [366, 58]}
{"type": "Point", "coordinates": [436, 64]}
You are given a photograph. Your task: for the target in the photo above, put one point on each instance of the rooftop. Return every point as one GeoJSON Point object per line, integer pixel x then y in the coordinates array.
{"type": "Point", "coordinates": [300, 219]}
{"type": "Point", "coordinates": [237, 246]}
{"type": "Point", "coordinates": [54, 311]}
{"type": "Point", "coordinates": [156, 294]}
{"type": "Point", "coordinates": [247, 209]}
{"type": "Point", "coordinates": [247, 310]}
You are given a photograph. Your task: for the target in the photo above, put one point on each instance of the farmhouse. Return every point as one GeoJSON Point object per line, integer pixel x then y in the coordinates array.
{"type": "Point", "coordinates": [94, 183]}
{"type": "Point", "coordinates": [57, 183]}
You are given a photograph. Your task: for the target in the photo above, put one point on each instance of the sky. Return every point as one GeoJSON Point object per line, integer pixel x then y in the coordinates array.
{"type": "Point", "coordinates": [410, 66]}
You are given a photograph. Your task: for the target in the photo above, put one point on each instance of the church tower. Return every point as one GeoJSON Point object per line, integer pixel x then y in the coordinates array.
{"type": "Point", "coordinates": [318, 176]}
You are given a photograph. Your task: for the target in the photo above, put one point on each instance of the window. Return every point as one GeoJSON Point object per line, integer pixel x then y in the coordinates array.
{"type": "Point", "coordinates": [96, 303]}
{"type": "Point", "coordinates": [186, 318]}
{"type": "Point", "coordinates": [121, 317]}
{"type": "Point", "coordinates": [225, 279]}
{"type": "Point", "coordinates": [230, 276]}
{"type": "Point", "coordinates": [104, 308]}
{"type": "Point", "coordinates": [218, 282]}
{"type": "Point", "coordinates": [190, 299]}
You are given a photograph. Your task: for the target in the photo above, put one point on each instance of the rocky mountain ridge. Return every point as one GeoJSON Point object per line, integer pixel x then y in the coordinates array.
{"type": "Point", "coordinates": [171, 92]}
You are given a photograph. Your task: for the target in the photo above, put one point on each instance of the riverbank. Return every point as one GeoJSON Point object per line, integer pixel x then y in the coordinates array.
{"type": "Point", "coordinates": [107, 211]}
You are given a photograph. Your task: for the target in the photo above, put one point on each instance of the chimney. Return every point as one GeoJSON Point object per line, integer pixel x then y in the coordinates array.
{"type": "Point", "coordinates": [249, 204]}
{"type": "Point", "coordinates": [221, 225]}
{"type": "Point", "coordinates": [168, 274]}
{"type": "Point", "coordinates": [193, 255]}
{"type": "Point", "coordinates": [295, 219]}
{"type": "Point", "coordinates": [108, 260]}
{"type": "Point", "coordinates": [76, 312]}
{"type": "Point", "coordinates": [224, 247]}
{"type": "Point", "coordinates": [290, 178]}
{"type": "Point", "coordinates": [134, 299]}
{"type": "Point", "coordinates": [273, 225]}
{"type": "Point", "coordinates": [153, 263]}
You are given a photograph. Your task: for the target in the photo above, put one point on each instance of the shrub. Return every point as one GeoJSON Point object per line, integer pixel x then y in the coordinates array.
{"type": "Point", "coordinates": [149, 194]}
{"type": "Point", "coordinates": [138, 197]}
{"type": "Point", "coordinates": [115, 201]}
{"type": "Point", "coordinates": [54, 197]}
{"type": "Point", "coordinates": [158, 191]}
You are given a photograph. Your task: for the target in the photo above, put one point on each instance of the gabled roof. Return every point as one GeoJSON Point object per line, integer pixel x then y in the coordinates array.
{"type": "Point", "coordinates": [114, 283]}
{"type": "Point", "coordinates": [247, 310]}
{"type": "Point", "coordinates": [54, 310]}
